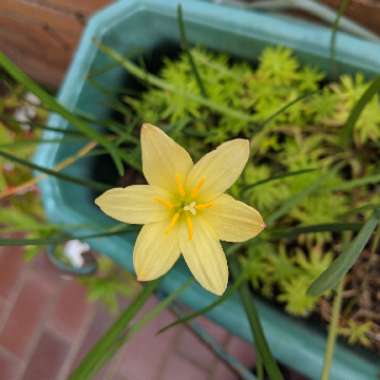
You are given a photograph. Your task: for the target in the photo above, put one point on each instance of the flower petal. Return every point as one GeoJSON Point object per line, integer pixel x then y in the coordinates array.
{"type": "Point", "coordinates": [163, 158]}
{"type": "Point", "coordinates": [135, 204]}
{"type": "Point", "coordinates": [155, 252]}
{"type": "Point", "coordinates": [204, 256]}
{"type": "Point", "coordinates": [219, 169]}
{"type": "Point", "coordinates": [232, 220]}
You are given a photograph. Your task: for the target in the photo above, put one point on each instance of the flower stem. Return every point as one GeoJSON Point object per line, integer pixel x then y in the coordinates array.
{"type": "Point", "coordinates": [333, 332]}
{"type": "Point", "coordinates": [258, 335]}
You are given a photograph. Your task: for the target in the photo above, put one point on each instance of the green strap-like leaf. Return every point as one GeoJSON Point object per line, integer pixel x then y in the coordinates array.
{"type": "Point", "coordinates": [187, 318]}
{"type": "Point", "coordinates": [186, 48]}
{"type": "Point", "coordinates": [261, 343]}
{"type": "Point", "coordinates": [78, 181]}
{"type": "Point", "coordinates": [216, 347]}
{"type": "Point", "coordinates": [158, 82]}
{"type": "Point", "coordinates": [93, 361]}
{"type": "Point", "coordinates": [276, 177]}
{"type": "Point", "coordinates": [52, 104]}
{"type": "Point", "coordinates": [348, 130]}
{"type": "Point", "coordinates": [291, 233]}
{"type": "Point", "coordinates": [340, 266]}
{"type": "Point", "coordinates": [297, 198]}
{"type": "Point", "coordinates": [64, 238]}
{"type": "Point", "coordinates": [284, 108]}
{"type": "Point", "coordinates": [342, 8]}
{"type": "Point", "coordinates": [357, 182]}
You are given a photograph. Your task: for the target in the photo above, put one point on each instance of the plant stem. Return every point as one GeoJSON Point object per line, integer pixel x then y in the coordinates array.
{"type": "Point", "coordinates": [261, 343]}
{"type": "Point", "coordinates": [107, 346]}
{"type": "Point", "coordinates": [259, 367]}
{"type": "Point", "coordinates": [342, 8]}
{"type": "Point", "coordinates": [158, 82]}
{"type": "Point", "coordinates": [333, 331]}
{"type": "Point", "coordinates": [185, 47]}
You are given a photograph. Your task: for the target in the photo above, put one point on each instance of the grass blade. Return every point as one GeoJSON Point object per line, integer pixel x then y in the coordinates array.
{"type": "Point", "coordinates": [340, 266]}
{"type": "Point", "coordinates": [185, 47]}
{"type": "Point", "coordinates": [216, 347]}
{"type": "Point", "coordinates": [291, 233]}
{"type": "Point", "coordinates": [363, 181]}
{"type": "Point", "coordinates": [284, 108]}
{"type": "Point", "coordinates": [277, 176]}
{"type": "Point", "coordinates": [342, 8]}
{"type": "Point", "coordinates": [13, 122]}
{"type": "Point", "coordinates": [153, 313]}
{"type": "Point", "coordinates": [23, 143]}
{"type": "Point", "coordinates": [78, 181]}
{"type": "Point", "coordinates": [90, 364]}
{"type": "Point", "coordinates": [158, 82]}
{"type": "Point", "coordinates": [52, 104]}
{"type": "Point", "coordinates": [230, 291]}
{"type": "Point", "coordinates": [63, 239]}
{"type": "Point", "coordinates": [158, 308]}
{"type": "Point", "coordinates": [261, 344]}
{"type": "Point", "coordinates": [297, 198]}
{"type": "Point", "coordinates": [333, 332]}
{"type": "Point", "coordinates": [369, 93]}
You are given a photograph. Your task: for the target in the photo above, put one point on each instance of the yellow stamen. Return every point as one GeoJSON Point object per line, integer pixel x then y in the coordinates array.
{"type": "Point", "coordinates": [197, 187]}
{"type": "Point", "coordinates": [180, 187]}
{"type": "Point", "coordinates": [189, 227]}
{"type": "Point", "coordinates": [202, 206]}
{"type": "Point", "coordinates": [164, 202]}
{"type": "Point", "coordinates": [172, 223]}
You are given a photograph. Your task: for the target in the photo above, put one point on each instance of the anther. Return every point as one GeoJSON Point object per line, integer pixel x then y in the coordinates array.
{"type": "Point", "coordinates": [202, 206]}
{"type": "Point", "coordinates": [180, 187]}
{"type": "Point", "coordinates": [197, 187]}
{"type": "Point", "coordinates": [172, 223]}
{"type": "Point", "coordinates": [164, 202]}
{"type": "Point", "coordinates": [189, 227]}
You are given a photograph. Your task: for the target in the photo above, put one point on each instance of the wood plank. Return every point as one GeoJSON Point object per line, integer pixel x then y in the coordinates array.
{"type": "Point", "coordinates": [364, 12]}
{"type": "Point", "coordinates": [82, 7]}
{"type": "Point", "coordinates": [41, 35]}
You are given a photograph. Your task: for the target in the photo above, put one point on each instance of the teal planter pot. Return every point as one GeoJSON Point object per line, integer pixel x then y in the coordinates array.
{"type": "Point", "coordinates": [136, 27]}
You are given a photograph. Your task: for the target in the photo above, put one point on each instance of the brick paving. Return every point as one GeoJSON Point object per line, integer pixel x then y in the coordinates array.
{"type": "Point", "coordinates": [47, 325]}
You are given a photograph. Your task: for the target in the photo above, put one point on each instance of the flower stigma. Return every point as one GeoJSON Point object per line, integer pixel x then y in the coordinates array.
{"type": "Point", "coordinates": [185, 206]}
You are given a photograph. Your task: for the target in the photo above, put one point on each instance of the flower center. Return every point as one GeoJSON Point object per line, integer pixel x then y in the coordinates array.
{"type": "Point", "coordinates": [186, 205]}
{"type": "Point", "coordinates": [191, 208]}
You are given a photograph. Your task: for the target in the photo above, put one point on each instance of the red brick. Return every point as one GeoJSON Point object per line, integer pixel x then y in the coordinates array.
{"type": "Point", "coordinates": [144, 354]}
{"type": "Point", "coordinates": [101, 321]}
{"type": "Point", "coordinates": [25, 317]}
{"type": "Point", "coordinates": [8, 367]}
{"type": "Point", "coordinates": [3, 310]}
{"type": "Point", "coordinates": [71, 310]}
{"type": "Point", "coordinates": [12, 264]}
{"type": "Point", "coordinates": [222, 372]}
{"type": "Point", "coordinates": [193, 349]}
{"type": "Point", "coordinates": [43, 268]}
{"type": "Point", "coordinates": [178, 367]}
{"type": "Point", "coordinates": [242, 351]}
{"type": "Point", "coordinates": [47, 358]}
{"type": "Point", "coordinates": [216, 331]}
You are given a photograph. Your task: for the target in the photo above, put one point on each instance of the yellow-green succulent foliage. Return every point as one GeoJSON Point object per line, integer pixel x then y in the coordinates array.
{"type": "Point", "coordinates": [306, 135]}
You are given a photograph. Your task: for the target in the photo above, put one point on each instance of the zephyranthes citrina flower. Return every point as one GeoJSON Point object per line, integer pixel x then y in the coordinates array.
{"type": "Point", "coordinates": [184, 209]}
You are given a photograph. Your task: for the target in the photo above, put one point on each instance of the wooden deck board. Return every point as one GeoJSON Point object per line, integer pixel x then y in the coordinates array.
{"type": "Point", "coordinates": [41, 35]}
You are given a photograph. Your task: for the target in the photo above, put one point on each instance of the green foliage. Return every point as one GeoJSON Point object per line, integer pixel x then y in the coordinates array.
{"type": "Point", "coordinates": [357, 332]}
{"type": "Point", "coordinates": [304, 136]}
{"type": "Point", "coordinates": [109, 285]}
{"type": "Point", "coordinates": [23, 212]}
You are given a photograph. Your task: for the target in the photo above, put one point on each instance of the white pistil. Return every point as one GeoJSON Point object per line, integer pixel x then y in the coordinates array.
{"type": "Point", "coordinates": [191, 208]}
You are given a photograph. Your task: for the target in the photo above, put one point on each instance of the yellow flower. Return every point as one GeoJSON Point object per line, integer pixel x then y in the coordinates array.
{"type": "Point", "coordinates": [184, 209]}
